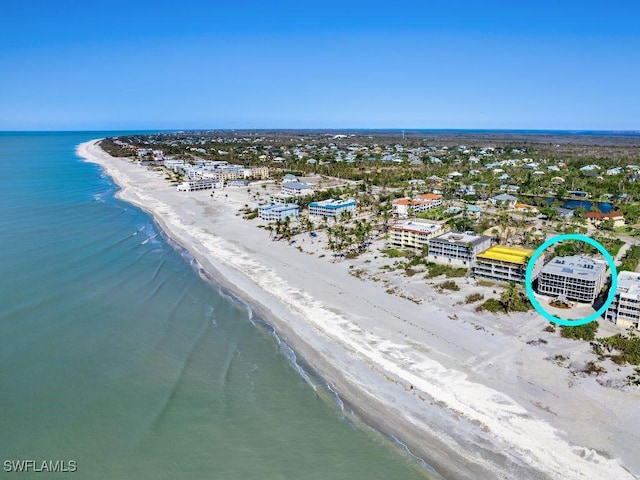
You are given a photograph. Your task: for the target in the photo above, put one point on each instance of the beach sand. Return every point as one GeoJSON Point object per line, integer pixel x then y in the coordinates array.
{"type": "Point", "coordinates": [464, 391]}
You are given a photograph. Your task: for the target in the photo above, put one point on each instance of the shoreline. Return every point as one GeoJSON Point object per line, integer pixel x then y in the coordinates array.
{"type": "Point", "coordinates": [329, 374]}
{"type": "Point", "coordinates": [267, 321]}
{"type": "Point", "coordinates": [453, 416]}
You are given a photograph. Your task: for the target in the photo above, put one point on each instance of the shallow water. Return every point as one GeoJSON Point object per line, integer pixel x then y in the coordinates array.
{"type": "Point", "coordinates": [118, 356]}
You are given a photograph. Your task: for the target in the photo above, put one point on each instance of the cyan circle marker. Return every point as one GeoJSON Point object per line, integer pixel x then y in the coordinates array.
{"type": "Point", "coordinates": [563, 238]}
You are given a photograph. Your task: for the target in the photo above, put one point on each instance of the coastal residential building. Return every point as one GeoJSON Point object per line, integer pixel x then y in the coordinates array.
{"type": "Point", "coordinates": [174, 164]}
{"type": "Point", "coordinates": [256, 173]}
{"type": "Point", "coordinates": [596, 218]}
{"type": "Point", "coordinates": [215, 170]}
{"type": "Point", "coordinates": [504, 200]}
{"type": "Point", "coordinates": [297, 188]}
{"type": "Point", "coordinates": [524, 208]}
{"type": "Point", "coordinates": [240, 182]}
{"type": "Point", "coordinates": [332, 208]}
{"type": "Point", "coordinates": [565, 213]}
{"type": "Point", "coordinates": [416, 182]}
{"type": "Point", "coordinates": [210, 175]}
{"type": "Point", "coordinates": [625, 308]}
{"type": "Point", "coordinates": [504, 264]}
{"type": "Point", "coordinates": [414, 233]}
{"type": "Point", "coordinates": [232, 172]}
{"type": "Point", "coordinates": [579, 194]}
{"type": "Point", "coordinates": [420, 203]}
{"type": "Point", "coordinates": [474, 211]}
{"type": "Point", "coordinates": [205, 184]}
{"type": "Point", "coordinates": [278, 211]}
{"type": "Point", "coordinates": [282, 198]}
{"type": "Point", "coordinates": [458, 248]}
{"type": "Point", "coordinates": [435, 200]}
{"type": "Point", "coordinates": [576, 277]}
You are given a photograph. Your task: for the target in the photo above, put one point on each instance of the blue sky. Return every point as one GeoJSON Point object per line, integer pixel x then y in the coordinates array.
{"type": "Point", "coordinates": [249, 64]}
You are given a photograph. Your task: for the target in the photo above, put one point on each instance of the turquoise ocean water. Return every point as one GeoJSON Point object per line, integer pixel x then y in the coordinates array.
{"type": "Point", "coordinates": [115, 353]}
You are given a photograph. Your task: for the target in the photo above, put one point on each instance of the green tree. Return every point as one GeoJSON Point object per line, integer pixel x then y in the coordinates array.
{"type": "Point", "coordinates": [510, 297]}
{"type": "Point", "coordinates": [607, 225]}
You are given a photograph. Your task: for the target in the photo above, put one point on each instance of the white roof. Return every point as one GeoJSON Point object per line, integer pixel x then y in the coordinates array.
{"type": "Point", "coordinates": [424, 227]}
{"type": "Point", "coordinates": [629, 284]}
{"type": "Point", "coordinates": [575, 266]}
{"type": "Point", "coordinates": [461, 238]}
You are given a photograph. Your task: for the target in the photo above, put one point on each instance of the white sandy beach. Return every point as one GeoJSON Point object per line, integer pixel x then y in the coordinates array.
{"type": "Point", "coordinates": [465, 391]}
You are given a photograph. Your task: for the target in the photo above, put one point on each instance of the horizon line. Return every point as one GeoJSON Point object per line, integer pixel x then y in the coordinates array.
{"type": "Point", "coordinates": [334, 129]}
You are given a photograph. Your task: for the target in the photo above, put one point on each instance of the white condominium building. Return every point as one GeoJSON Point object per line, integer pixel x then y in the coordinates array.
{"type": "Point", "coordinates": [403, 207]}
{"type": "Point", "coordinates": [297, 188]}
{"type": "Point", "coordinates": [457, 247]}
{"type": "Point", "coordinates": [259, 173]}
{"type": "Point", "coordinates": [576, 277]}
{"type": "Point", "coordinates": [332, 208]}
{"type": "Point", "coordinates": [278, 211]}
{"type": "Point", "coordinates": [205, 184]}
{"type": "Point", "coordinates": [414, 234]}
{"type": "Point", "coordinates": [625, 309]}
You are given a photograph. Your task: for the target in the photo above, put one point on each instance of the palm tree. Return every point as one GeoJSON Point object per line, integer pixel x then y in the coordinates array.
{"type": "Point", "coordinates": [278, 226]}
{"type": "Point", "coordinates": [307, 224]}
{"type": "Point", "coordinates": [510, 297]}
{"type": "Point", "coordinates": [287, 228]}
{"type": "Point", "coordinates": [330, 238]}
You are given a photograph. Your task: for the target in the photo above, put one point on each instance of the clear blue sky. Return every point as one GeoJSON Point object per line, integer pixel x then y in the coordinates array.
{"type": "Point", "coordinates": [185, 64]}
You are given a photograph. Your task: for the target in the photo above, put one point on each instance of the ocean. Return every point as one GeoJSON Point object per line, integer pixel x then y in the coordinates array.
{"type": "Point", "coordinates": [119, 361]}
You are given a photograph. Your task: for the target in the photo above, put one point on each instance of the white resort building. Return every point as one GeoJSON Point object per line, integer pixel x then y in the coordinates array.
{"type": "Point", "coordinates": [625, 309]}
{"type": "Point", "coordinates": [403, 207]}
{"type": "Point", "coordinates": [458, 248]}
{"type": "Point", "coordinates": [214, 170]}
{"type": "Point", "coordinates": [205, 184]}
{"type": "Point", "coordinates": [278, 211]}
{"type": "Point", "coordinates": [576, 277]}
{"type": "Point", "coordinates": [332, 208]}
{"type": "Point", "coordinates": [414, 234]}
{"type": "Point", "coordinates": [174, 164]}
{"type": "Point", "coordinates": [257, 173]}
{"type": "Point", "coordinates": [297, 188]}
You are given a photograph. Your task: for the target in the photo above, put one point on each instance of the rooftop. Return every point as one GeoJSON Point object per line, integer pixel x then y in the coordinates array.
{"type": "Point", "coordinates": [505, 197]}
{"type": "Point", "coordinates": [598, 215]}
{"type": "Point", "coordinates": [278, 207]}
{"type": "Point", "coordinates": [461, 238]}
{"type": "Point", "coordinates": [333, 203]}
{"type": "Point", "coordinates": [429, 196]}
{"type": "Point", "coordinates": [517, 255]}
{"type": "Point", "coordinates": [629, 283]}
{"type": "Point", "coordinates": [298, 185]}
{"type": "Point", "coordinates": [575, 266]}
{"type": "Point", "coordinates": [418, 200]}
{"type": "Point", "coordinates": [419, 227]}
{"type": "Point", "coordinates": [405, 201]}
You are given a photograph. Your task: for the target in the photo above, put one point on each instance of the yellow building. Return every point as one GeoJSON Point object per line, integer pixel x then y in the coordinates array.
{"type": "Point", "coordinates": [504, 264]}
